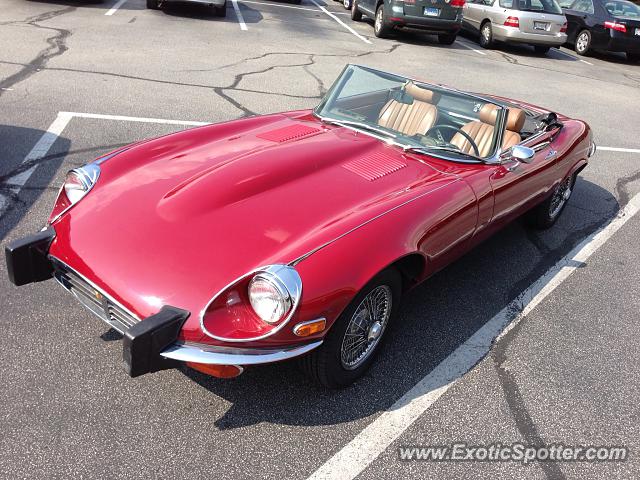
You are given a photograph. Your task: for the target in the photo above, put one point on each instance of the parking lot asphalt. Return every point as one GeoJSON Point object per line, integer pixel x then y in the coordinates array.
{"type": "Point", "coordinates": [566, 374]}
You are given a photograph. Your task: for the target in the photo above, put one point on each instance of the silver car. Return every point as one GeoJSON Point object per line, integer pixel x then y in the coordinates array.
{"type": "Point", "coordinates": [540, 23]}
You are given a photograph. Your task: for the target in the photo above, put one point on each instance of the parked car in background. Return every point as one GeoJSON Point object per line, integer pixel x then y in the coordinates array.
{"type": "Point", "coordinates": [540, 23]}
{"type": "Point", "coordinates": [219, 6]}
{"type": "Point", "coordinates": [440, 17]}
{"type": "Point", "coordinates": [347, 4]}
{"type": "Point", "coordinates": [607, 25]}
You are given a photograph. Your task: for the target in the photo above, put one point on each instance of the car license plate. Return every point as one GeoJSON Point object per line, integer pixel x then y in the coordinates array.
{"type": "Point", "coordinates": [540, 26]}
{"type": "Point", "coordinates": [638, 31]}
{"type": "Point", "coordinates": [431, 12]}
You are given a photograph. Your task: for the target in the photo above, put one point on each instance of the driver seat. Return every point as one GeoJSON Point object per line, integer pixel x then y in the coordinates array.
{"type": "Point", "coordinates": [414, 118]}
{"type": "Point", "coordinates": [482, 130]}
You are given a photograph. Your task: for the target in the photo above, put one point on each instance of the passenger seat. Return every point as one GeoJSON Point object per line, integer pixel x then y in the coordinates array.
{"type": "Point", "coordinates": [482, 130]}
{"type": "Point", "coordinates": [418, 117]}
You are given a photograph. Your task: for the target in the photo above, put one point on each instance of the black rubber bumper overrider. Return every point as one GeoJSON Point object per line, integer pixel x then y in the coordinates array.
{"type": "Point", "coordinates": [144, 341]}
{"type": "Point", "coordinates": [27, 260]}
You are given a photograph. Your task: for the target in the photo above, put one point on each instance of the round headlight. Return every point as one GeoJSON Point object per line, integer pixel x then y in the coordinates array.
{"type": "Point", "coordinates": [269, 298]}
{"type": "Point", "coordinates": [79, 181]}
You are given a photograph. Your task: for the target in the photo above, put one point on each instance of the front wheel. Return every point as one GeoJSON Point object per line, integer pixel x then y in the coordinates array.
{"type": "Point", "coordinates": [541, 49]}
{"type": "Point", "coordinates": [446, 38]}
{"type": "Point", "coordinates": [356, 15]}
{"type": "Point", "coordinates": [583, 42]}
{"type": "Point", "coordinates": [380, 27]}
{"type": "Point", "coordinates": [486, 35]}
{"type": "Point", "coordinates": [153, 4]}
{"type": "Point", "coordinates": [545, 215]}
{"type": "Point", "coordinates": [350, 346]}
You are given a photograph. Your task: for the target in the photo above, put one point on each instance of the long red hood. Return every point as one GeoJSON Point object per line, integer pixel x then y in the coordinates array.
{"type": "Point", "coordinates": [175, 219]}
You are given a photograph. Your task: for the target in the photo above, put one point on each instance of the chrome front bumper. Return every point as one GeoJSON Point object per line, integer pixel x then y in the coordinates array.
{"type": "Point", "coordinates": [213, 355]}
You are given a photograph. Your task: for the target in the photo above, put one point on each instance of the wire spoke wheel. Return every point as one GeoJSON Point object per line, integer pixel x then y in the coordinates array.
{"type": "Point", "coordinates": [366, 327]}
{"type": "Point", "coordinates": [560, 197]}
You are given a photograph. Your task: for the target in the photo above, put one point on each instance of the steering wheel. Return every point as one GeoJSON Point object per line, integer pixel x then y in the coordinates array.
{"type": "Point", "coordinates": [476, 150]}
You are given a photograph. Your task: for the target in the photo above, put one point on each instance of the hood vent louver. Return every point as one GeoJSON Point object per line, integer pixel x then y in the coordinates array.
{"type": "Point", "coordinates": [291, 132]}
{"type": "Point", "coordinates": [374, 166]}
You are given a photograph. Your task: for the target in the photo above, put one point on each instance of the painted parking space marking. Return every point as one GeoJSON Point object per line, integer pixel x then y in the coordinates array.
{"type": "Point", "coordinates": [616, 149]}
{"type": "Point", "coordinates": [557, 50]}
{"type": "Point", "coordinates": [480, 52]}
{"type": "Point", "coordinates": [115, 7]}
{"type": "Point", "coordinates": [236, 8]}
{"type": "Point", "coordinates": [371, 442]}
{"type": "Point", "coordinates": [49, 137]}
{"type": "Point", "coordinates": [324, 10]}
{"type": "Point", "coordinates": [294, 7]}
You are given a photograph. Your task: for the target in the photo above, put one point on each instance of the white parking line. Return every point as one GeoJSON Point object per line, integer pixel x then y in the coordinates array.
{"type": "Point", "coordinates": [115, 7]}
{"type": "Point", "coordinates": [124, 118]}
{"type": "Point", "coordinates": [38, 151]}
{"type": "Point", "coordinates": [354, 457]}
{"type": "Point", "coordinates": [615, 149]}
{"type": "Point", "coordinates": [365, 40]}
{"type": "Point", "coordinates": [573, 57]}
{"type": "Point", "coordinates": [236, 8]}
{"type": "Point", "coordinates": [470, 47]}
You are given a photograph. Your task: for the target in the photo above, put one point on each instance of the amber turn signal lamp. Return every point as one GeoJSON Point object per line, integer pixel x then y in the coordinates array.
{"type": "Point", "coordinates": [305, 329]}
{"type": "Point", "coordinates": [220, 371]}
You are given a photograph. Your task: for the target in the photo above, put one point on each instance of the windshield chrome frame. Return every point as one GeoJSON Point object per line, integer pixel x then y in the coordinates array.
{"type": "Point", "coordinates": [494, 159]}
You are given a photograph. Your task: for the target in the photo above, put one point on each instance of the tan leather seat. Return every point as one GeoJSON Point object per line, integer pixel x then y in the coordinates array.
{"type": "Point", "coordinates": [412, 119]}
{"type": "Point", "coordinates": [482, 130]}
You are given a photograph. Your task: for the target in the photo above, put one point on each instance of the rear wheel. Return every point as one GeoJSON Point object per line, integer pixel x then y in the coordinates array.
{"type": "Point", "coordinates": [583, 43]}
{"type": "Point", "coordinates": [446, 38]}
{"type": "Point", "coordinates": [633, 57]}
{"type": "Point", "coordinates": [486, 35]}
{"type": "Point", "coordinates": [347, 4]}
{"type": "Point", "coordinates": [350, 346]}
{"type": "Point", "coordinates": [541, 49]}
{"type": "Point", "coordinates": [380, 27]}
{"type": "Point", "coordinates": [153, 4]}
{"type": "Point", "coordinates": [545, 215]}
{"type": "Point", "coordinates": [221, 11]}
{"type": "Point", "coordinates": [356, 15]}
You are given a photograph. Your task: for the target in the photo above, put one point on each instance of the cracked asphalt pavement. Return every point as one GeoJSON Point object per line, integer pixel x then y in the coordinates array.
{"type": "Point", "coordinates": [566, 374]}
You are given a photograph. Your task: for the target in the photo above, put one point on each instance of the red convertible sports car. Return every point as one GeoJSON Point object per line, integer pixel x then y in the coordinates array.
{"type": "Point", "coordinates": [295, 234]}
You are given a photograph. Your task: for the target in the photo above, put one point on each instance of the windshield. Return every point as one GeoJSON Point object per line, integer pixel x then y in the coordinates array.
{"type": "Point", "coordinates": [412, 114]}
{"type": "Point", "coordinates": [622, 8]}
{"type": "Point", "coordinates": [542, 6]}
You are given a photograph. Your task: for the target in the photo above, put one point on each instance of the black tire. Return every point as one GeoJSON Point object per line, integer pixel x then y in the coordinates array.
{"type": "Point", "coordinates": [220, 11]}
{"type": "Point", "coordinates": [541, 49]}
{"type": "Point", "coordinates": [356, 15]}
{"type": "Point", "coordinates": [545, 215]}
{"type": "Point", "coordinates": [583, 43]}
{"type": "Point", "coordinates": [153, 4]}
{"type": "Point", "coordinates": [325, 365]}
{"type": "Point", "coordinates": [633, 57]}
{"type": "Point", "coordinates": [446, 38]}
{"type": "Point", "coordinates": [486, 35]}
{"type": "Point", "coordinates": [380, 27]}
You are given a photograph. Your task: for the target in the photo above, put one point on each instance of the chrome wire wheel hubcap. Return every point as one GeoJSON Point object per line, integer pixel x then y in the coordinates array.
{"type": "Point", "coordinates": [486, 33]}
{"type": "Point", "coordinates": [560, 197]}
{"type": "Point", "coordinates": [366, 327]}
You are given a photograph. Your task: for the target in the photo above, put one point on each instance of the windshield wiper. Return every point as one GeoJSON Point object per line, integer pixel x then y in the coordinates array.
{"type": "Point", "coordinates": [364, 126]}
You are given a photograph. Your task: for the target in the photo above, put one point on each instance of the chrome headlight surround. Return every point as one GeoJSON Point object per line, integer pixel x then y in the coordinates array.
{"type": "Point", "coordinates": [77, 184]}
{"type": "Point", "coordinates": [284, 279]}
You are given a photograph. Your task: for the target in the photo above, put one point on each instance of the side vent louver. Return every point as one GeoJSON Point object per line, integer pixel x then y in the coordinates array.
{"type": "Point", "coordinates": [288, 133]}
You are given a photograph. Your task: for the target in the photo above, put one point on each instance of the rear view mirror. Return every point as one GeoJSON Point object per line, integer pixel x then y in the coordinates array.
{"type": "Point", "coordinates": [522, 154]}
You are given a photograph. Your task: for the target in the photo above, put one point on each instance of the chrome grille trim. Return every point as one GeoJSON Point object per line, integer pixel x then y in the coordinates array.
{"type": "Point", "coordinates": [107, 308]}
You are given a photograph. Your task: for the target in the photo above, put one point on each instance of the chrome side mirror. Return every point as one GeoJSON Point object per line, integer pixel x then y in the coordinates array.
{"type": "Point", "coordinates": [522, 154]}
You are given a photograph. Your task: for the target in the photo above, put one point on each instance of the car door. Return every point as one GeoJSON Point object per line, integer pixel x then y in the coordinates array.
{"type": "Point", "coordinates": [472, 15]}
{"type": "Point", "coordinates": [516, 186]}
{"type": "Point", "coordinates": [577, 13]}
